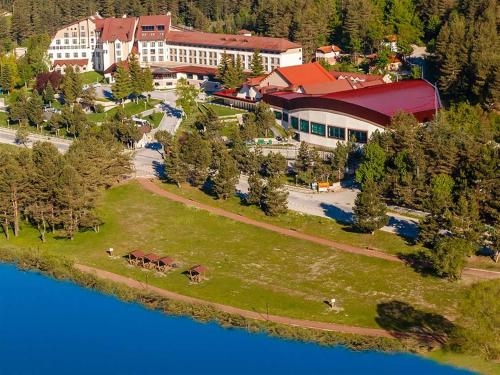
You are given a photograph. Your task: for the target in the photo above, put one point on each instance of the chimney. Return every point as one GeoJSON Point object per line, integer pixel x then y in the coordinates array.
{"type": "Point", "coordinates": [124, 16]}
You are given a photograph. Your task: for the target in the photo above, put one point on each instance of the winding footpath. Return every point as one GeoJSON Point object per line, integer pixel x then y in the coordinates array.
{"type": "Point", "coordinates": [332, 327]}
{"type": "Point", "coordinates": [154, 188]}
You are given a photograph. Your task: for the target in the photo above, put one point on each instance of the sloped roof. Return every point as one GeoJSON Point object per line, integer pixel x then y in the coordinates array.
{"type": "Point", "coordinates": [79, 62]}
{"type": "Point", "coordinates": [326, 87]}
{"type": "Point", "coordinates": [155, 21]}
{"type": "Point", "coordinates": [359, 76]}
{"type": "Point", "coordinates": [112, 29]}
{"type": "Point", "coordinates": [377, 104]}
{"type": "Point", "coordinates": [231, 41]}
{"type": "Point", "coordinates": [299, 75]}
{"type": "Point", "coordinates": [329, 49]}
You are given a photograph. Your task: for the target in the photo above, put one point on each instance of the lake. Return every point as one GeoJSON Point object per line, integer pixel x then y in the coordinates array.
{"type": "Point", "coordinates": [53, 327]}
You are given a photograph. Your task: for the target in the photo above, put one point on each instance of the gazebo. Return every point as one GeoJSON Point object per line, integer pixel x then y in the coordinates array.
{"type": "Point", "coordinates": [165, 264]}
{"type": "Point", "coordinates": [135, 257]}
{"type": "Point", "coordinates": [150, 260]}
{"type": "Point", "coordinates": [197, 273]}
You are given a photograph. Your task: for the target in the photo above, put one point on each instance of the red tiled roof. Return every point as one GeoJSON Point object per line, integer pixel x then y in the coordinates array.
{"type": "Point", "coordinates": [304, 74]}
{"type": "Point", "coordinates": [376, 104]}
{"type": "Point", "coordinates": [163, 20]}
{"type": "Point", "coordinates": [112, 29]}
{"type": "Point", "coordinates": [112, 67]}
{"type": "Point", "coordinates": [254, 81]}
{"type": "Point", "coordinates": [79, 62]}
{"type": "Point", "coordinates": [231, 41]}
{"type": "Point", "coordinates": [329, 49]}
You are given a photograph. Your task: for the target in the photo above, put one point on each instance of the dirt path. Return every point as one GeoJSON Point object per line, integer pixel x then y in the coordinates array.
{"type": "Point", "coordinates": [373, 332]}
{"type": "Point", "coordinates": [154, 188]}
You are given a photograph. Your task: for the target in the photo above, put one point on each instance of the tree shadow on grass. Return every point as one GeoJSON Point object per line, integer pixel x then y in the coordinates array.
{"type": "Point", "coordinates": [419, 261]}
{"type": "Point", "coordinates": [406, 322]}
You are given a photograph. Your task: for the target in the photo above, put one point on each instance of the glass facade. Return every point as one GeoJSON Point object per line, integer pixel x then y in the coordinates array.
{"type": "Point", "coordinates": [318, 129]}
{"type": "Point", "coordinates": [358, 135]}
{"type": "Point", "coordinates": [295, 123]}
{"type": "Point", "coordinates": [337, 133]}
{"type": "Point", "coordinates": [304, 126]}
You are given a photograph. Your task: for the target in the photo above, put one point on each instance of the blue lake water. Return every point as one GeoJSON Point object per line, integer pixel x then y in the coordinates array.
{"type": "Point", "coordinates": [52, 327]}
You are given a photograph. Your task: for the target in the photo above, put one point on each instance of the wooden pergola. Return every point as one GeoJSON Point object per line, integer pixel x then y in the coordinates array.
{"type": "Point", "coordinates": [165, 264]}
{"type": "Point", "coordinates": [150, 260]}
{"type": "Point", "coordinates": [197, 273]}
{"type": "Point", "coordinates": [135, 257]}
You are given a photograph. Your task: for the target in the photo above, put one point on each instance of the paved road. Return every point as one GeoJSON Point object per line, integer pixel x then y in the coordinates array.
{"type": "Point", "coordinates": [9, 137]}
{"type": "Point", "coordinates": [338, 206]}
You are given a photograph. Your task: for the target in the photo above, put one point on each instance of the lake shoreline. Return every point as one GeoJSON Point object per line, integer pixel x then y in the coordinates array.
{"type": "Point", "coordinates": [62, 268]}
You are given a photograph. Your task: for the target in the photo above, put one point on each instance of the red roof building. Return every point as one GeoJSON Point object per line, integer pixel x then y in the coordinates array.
{"type": "Point", "coordinates": [153, 27]}
{"type": "Point", "coordinates": [111, 29]}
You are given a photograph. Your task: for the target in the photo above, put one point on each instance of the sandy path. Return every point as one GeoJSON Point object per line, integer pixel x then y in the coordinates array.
{"type": "Point", "coordinates": [373, 332]}
{"type": "Point", "coordinates": [154, 188]}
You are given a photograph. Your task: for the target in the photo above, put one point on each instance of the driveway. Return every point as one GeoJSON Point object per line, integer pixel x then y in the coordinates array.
{"type": "Point", "coordinates": [8, 136]}
{"type": "Point", "coordinates": [338, 206]}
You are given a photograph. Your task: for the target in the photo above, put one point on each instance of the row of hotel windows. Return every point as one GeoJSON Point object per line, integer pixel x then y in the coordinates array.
{"type": "Point", "coordinates": [322, 130]}
{"type": "Point", "coordinates": [73, 41]}
{"type": "Point", "coordinates": [67, 55]}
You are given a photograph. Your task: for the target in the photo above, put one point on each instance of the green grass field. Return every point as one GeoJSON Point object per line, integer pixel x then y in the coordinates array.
{"type": "Point", "coordinates": [91, 77]}
{"type": "Point", "coordinates": [318, 226]}
{"type": "Point", "coordinates": [220, 110]}
{"type": "Point", "coordinates": [3, 118]}
{"type": "Point", "coordinates": [250, 267]}
{"type": "Point", "coordinates": [130, 108]}
{"type": "Point", "coordinates": [155, 118]}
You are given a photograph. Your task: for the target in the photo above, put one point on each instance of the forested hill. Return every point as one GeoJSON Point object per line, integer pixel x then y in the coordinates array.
{"type": "Point", "coordinates": [463, 33]}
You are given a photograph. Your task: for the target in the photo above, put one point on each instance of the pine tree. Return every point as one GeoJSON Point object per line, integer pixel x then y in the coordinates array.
{"type": "Point", "coordinates": [224, 64]}
{"type": "Point", "coordinates": [274, 199]}
{"type": "Point", "coordinates": [187, 95]}
{"type": "Point", "coordinates": [256, 64]}
{"type": "Point", "coordinates": [448, 257]}
{"type": "Point", "coordinates": [226, 177]}
{"type": "Point", "coordinates": [6, 78]}
{"type": "Point", "coordinates": [136, 75]}
{"type": "Point", "coordinates": [69, 86]}
{"type": "Point", "coordinates": [255, 188]}
{"type": "Point", "coordinates": [369, 209]}
{"type": "Point", "coordinates": [48, 93]}
{"type": "Point", "coordinates": [147, 80]}
{"type": "Point", "coordinates": [122, 87]}
{"type": "Point", "coordinates": [373, 166]}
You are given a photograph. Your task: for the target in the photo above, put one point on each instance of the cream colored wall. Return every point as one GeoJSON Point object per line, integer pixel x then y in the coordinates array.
{"type": "Point", "coordinates": [274, 79]}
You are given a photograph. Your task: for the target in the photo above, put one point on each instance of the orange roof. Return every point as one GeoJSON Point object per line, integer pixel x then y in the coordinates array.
{"type": "Point", "coordinates": [79, 62]}
{"type": "Point", "coordinates": [112, 29]}
{"type": "Point", "coordinates": [254, 81]}
{"type": "Point", "coordinates": [329, 49]}
{"type": "Point", "coordinates": [304, 74]}
{"type": "Point", "coordinates": [160, 24]}
{"type": "Point", "coordinates": [231, 41]}
{"type": "Point", "coordinates": [326, 87]}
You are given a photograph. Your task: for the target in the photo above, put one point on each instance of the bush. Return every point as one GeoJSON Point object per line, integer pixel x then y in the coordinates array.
{"type": "Point", "coordinates": [99, 108]}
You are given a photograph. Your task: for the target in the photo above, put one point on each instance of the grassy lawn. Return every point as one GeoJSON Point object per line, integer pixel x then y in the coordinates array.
{"type": "Point", "coordinates": [318, 226]}
{"type": "Point", "coordinates": [220, 110]}
{"type": "Point", "coordinates": [91, 77]}
{"type": "Point", "coordinates": [155, 118]}
{"type": "Point", "coordinates": [249, 267]}
{"type": "Point", "coordinates": [3, 118]}
{"type": "Point", "coordinates": [130, 108]}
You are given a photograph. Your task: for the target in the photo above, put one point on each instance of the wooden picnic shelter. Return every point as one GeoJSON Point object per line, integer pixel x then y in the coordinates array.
{"type": "Point", "coordinates": [197, 273]}
{"type": "Point", "coordinates": [165, 264]}
{"type": "Point", "coordinates": [135, 257]}
{"type": "Point", "coordinates": [150, 260]}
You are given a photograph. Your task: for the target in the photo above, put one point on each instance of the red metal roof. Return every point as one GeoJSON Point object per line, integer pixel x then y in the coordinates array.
{"type": "Point", "coordinates": [376, 104]}
{"type": "Point", "coordinates": [112, 29]}
{"type": "Point", "coordinates": [199, 269]}
{"type": "Point", "coordinates": [136, 254]}
{"type": "Point", "coordinates": [155, 21]}
{"type": "Point", "coordinates": [231, 41]}
{"type": "Point", "coordinates": [298, 75]}
{"type": "Point", "coordinates": [166, 260]}
{"type": "Point", "coordinates": [151, 257]}
{"type": "Point", "coordinates": [79, 62]}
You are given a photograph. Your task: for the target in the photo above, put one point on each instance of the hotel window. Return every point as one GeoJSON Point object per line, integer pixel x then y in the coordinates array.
{"type": "Point", "coordinates": [358, 135]}
{"type": "Point", "coordinates": [75, 41]}
{"type": "Point", "coordinates": [118, 53]}
{"type": "Point", "coordinates": [337, 133]}
{"type": "Point", "coordinates": [152, 51]}
{"type": "Point", "coordinates": [67, 55]}
{"type": "Point", "coordinates": [144, 51]}
{"type": "Point", "coordinates": [82, 41]}
{"type": "Point", "coordinates": [66, 35]}
{"type": "Point", "coordinates": [75, 55]}
{"type": "Point", "coordinates": [59, 55]}
{"type": "Point", "coordinates": [160, 58]}
{"type": "Point", "coordinates": [82, 34]}
{"type": "Point", "coordinates": [160, 51]}
{"type": "Point", "coordinates": [295, 123]}
{"type": "Point", "coordinates": [160, 44]}
{"type": "Point", "coordinates": [304, 126]}
{"type": "Point", "coordinates": [147, 28]}
{"type": "Point", "coordinates": [153, 58]}
{"type": "Point", "coordinates": [145, 44]}
{"type": "Point", "coordinates": [144, 59]}
{"type": "Point", "coordinates": [161, 27]}
{"type": "Point", "coordinates": [82, 27]}
{"type": "Point", "coordinates": [84, 54]}
{"type": "Point", "coordinates": [278, 115]}
{"type": "Point", "coordinates": [318, 129]}
{"type": "Point", "coordinates": [153, 44]}
{"type": "Point", "coordinates": [74, 34]}
{"type": "Point", "coordinates": [66, 41]}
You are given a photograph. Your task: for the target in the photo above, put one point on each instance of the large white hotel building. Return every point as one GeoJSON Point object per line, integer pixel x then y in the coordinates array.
{"type": "Point", "coordinates": [97, 43]}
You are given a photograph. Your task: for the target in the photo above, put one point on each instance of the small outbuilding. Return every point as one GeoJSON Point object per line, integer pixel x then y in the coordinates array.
{"type": "Point", "coordinates": [135, 257]}
{"type": "Point", "coordinates": [197, 273]}
{"type": "Point", "coordinates": [165, 264]}
{"type": "Point", "coordinates": [150, 260]}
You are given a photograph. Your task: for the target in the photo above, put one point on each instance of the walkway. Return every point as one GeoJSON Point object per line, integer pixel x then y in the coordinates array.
{"type": "Point", "coordinates": [373, 332]}
{"type": "Point", "coordinates": [151, 186]}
